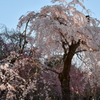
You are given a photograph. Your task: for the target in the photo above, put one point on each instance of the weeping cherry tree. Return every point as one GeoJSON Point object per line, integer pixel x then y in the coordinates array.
{"type": "Point", "coordinates": [63, 29]}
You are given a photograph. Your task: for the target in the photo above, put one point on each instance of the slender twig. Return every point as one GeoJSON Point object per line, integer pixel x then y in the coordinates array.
{"type": "Point", "coordinates": [79, 56]}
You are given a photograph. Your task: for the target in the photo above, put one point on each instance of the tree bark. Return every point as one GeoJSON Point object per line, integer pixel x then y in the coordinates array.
{"type": "Point", "coordinates": [64, 76]}
{"type": "Point", "coordinates": [65, 87]}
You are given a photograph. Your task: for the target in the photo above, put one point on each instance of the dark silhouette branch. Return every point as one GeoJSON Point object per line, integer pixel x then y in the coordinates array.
{"type": "Point", "coordinates": [80, 51]}
{"type": "Point", "coordinates": [24, 35]}
{"type": "Point", "coordinates": [63, 38]}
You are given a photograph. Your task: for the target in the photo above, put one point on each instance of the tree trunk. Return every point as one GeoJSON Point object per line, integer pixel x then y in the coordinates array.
{"type": "Point", "coordinates": [65, 87]}
{"type": "Point", "coordinates": [64, 76]}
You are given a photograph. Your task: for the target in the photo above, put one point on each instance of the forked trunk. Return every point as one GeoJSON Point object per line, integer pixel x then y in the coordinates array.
{"type": "Point", "coordinates": [64, 76]}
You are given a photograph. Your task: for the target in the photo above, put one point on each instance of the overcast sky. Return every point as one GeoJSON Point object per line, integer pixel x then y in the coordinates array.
{"type": "Point", "coordinates": [11, 10]}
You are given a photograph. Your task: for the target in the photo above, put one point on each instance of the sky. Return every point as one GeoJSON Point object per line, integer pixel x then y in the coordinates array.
{"type": "Point", "coordinates": [11, 10]}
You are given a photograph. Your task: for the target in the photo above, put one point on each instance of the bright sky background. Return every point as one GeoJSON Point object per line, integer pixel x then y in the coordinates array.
{"type": "Point", "coordinates": [11, 10]}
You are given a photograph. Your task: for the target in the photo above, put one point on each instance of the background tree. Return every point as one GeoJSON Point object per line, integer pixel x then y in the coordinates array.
{"type": "Point", "coordinates": [62, 29]}
{"type": "Point", "coordinates": [13, 40]}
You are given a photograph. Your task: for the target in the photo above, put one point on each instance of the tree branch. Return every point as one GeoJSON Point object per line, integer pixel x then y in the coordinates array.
{"type": "Point", "coordinates": [44, 68]}
{"type": "Point", "coordinates": [24, 35]}
{"type": "Point", "coordinates": [80, 51]}
{"type": "Point", "coordinates": [64, 38]}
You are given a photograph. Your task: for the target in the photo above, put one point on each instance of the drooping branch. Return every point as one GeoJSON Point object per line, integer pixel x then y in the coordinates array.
{"type": "Point", "coordinates": [44, 68]}
{"type": "Point", "coordinates": [61, 20]}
